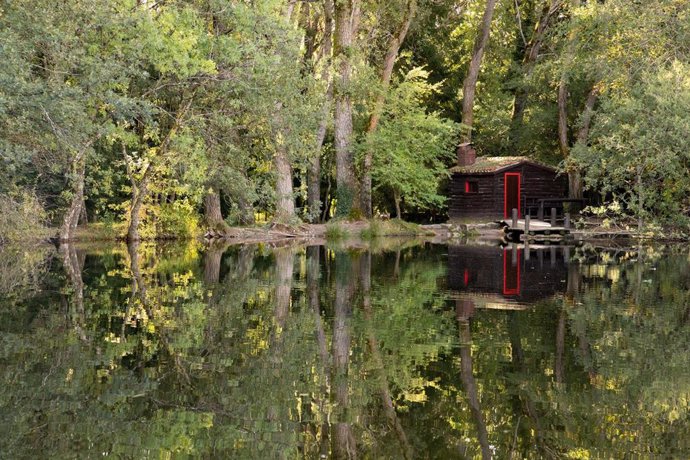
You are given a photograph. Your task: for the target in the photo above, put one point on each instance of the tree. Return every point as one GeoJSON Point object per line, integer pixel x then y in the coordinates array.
{"type": "Point", "coordinates": [412, 147]}
{"type": "Point", "coordinates": [396, 39]}
{"type": "Point", "coordinates": [638, 148]}
{"type": "Point", "coordinates": [347, 16]}
{"type": "Point", "coordinates": [470, 85]}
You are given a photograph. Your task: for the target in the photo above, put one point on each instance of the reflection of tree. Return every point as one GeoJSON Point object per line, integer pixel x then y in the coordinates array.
{"type": "Point", "coordinates": [313, 294]}
{"type": "Point", "coordinates": [344, 444]}
{"type": "Point", "coordinates": [281, 361]}
{"type": "Point", "coordinates": [212, 258]}
{"type": "Point", "coordinates": [468, 381]}
{"type": "Point", "coordinates": [382, 377]}
{"type": "Point", "coordinates": [73, 263]}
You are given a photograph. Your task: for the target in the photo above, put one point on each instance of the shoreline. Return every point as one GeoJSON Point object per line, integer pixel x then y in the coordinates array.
{"type": "Point", "coordinates": [363, 231]}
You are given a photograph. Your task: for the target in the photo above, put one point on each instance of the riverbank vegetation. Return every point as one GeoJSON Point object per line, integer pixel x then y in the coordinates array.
{"type": "Point", "coordinates": [158, 119]}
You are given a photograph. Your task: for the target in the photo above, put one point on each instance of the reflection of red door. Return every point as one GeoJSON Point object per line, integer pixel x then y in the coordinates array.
{"type": "Point", "coordinates": [511, 273]}
{"type": "Point", "coordinates": [511, 194]}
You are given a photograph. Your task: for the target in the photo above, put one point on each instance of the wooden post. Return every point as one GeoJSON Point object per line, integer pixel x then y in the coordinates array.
{"type": "Point", "coordinates": [566, 254]}
{"type": "Point", "coordinates": [514, 256]}
{"type": "Point", "coordinates": [527, 219]}
{"type": "Point", "coordinates": [566, 220]}
{"type": "Point", "coordinates": [553, 217]}
{"type": "Point", "coordinates": [553, 256]}
{"type": "Point", "coordinates": [515, 217]}
{"type": "Point", "coordinates": [527, 249]}
{"type": "Point", "coordinates": [540, 213]}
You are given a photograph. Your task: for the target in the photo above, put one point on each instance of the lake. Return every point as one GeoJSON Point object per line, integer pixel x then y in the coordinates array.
{"type": "Point", "coordinates": [389, 349]}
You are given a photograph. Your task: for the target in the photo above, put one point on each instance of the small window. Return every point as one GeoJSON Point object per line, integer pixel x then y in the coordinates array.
{"type": "Point", "coordinates": [471, 186]}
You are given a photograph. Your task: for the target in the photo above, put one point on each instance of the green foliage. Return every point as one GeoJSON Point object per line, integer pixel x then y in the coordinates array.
{"type": "Point", "coordinates": [411, 147]}
{"type": "Point", "coordinates": [394, 227]}
{"type": "Point", "coordinates": [193, 95]}
{"type": "Point", "coordinates": [22, 217]}
{"type": "Point", "coordinates": [336, 231]}
{"type": "Point", "coordinates": [639, 148]}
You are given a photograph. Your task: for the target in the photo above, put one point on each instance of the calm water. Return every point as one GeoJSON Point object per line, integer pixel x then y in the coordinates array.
{"type": "Point", "coordinates": [408, 351]}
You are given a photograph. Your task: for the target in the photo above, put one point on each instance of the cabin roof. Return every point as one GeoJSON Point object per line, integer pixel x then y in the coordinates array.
{"type": "Point", "coordinates": [488, 165]}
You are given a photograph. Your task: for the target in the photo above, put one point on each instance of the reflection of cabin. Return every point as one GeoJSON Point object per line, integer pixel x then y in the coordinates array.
{"type": "Point", "coordinates": [490, 187]}
{"type": "Point", "coordinates": [506, 278]}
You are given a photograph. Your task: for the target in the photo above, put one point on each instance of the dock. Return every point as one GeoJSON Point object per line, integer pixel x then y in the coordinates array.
{"type": "Point", "coordinates": [534, 229]}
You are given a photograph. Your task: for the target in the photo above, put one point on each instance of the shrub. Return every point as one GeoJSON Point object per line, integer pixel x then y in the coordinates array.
{"type": "Point", "coordinates": [22, 217]}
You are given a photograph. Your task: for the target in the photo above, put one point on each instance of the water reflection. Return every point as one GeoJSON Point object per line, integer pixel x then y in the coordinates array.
{"type": "Point", "coordinates": [409, 351]}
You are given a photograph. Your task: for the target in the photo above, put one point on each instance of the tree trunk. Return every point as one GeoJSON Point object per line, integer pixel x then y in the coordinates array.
{"type": "Point", "coordinates": [346, 16]}
{"type": "Point", "coordinates": [212, 211]}
{"type": "Point", "coordinates": [563, 117]}
{"type": "Point", "coordinates": [290, 9]}
{"type": "Point", "coordinates": [314, 180]}
{"type": "Point", "coordinates": [139, 193]}
{"type": "Point", "coordinates": [528, 62]}
{"type": "Point", "coordinates": [71, 219]}
{"type": "Point", "coordinates": [394, 44]}
{"type": "Point", "coordinates": [470, 84]}
{"type": "Point", "coordinates": [246, 211]}
{"type": "Point", "coordinates": [574, 176]}
{"type": "Point", "coordinates": [396, 198]}
{"type": "Point", "coordinates": [285, 202]}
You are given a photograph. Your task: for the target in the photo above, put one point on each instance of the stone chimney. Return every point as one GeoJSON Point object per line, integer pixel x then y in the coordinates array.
{"type": "Point", "coordinates": [466, 154]}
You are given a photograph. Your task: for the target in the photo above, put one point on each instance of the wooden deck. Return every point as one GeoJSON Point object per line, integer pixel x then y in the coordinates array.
{"type": "Point", "coordinates": [534, 230]}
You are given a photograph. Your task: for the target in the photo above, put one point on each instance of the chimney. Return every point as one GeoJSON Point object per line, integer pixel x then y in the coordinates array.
{"type": "Point", "coordinates": [466, 154]}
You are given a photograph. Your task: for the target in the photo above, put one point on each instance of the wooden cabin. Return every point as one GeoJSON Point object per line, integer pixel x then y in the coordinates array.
{"type": "Point", "coordinates": [490, 187]}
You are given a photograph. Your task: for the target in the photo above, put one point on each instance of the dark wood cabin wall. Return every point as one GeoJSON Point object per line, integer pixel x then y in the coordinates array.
{"type": "Point", "coordinates": [488, 202]}
{"type": "Point", "coordinates": [480, 204]}
{"type": "Point", "coordinates": [540, 183]}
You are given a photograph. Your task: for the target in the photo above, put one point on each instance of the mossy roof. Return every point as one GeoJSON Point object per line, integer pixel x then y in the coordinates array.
{"type": "Point", "coordinates": [487, 165]}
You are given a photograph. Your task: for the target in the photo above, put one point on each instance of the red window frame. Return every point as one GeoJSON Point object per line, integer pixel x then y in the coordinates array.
{"type": "Point", "coordinates": [468, 189]}
{"type": "Point", "coordinates": [506, 214]}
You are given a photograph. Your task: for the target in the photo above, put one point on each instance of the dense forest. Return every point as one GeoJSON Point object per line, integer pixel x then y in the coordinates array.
{"type": "Point", "coordinates": [159, 118]}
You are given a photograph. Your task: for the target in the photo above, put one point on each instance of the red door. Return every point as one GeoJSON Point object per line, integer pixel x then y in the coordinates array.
{"type": "Point", "coordinates": [511, 272]}
{"type": "Point", "coordinates": [511, 194]}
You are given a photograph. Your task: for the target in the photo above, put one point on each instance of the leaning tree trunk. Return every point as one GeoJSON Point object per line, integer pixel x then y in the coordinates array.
{"type": "Point", "coordinates": [394, 44]}
{"type": "Point", "coordinates": [314, 179]}
{"type": "Point", "coordinates": [574, 175]}
{"type": "Point", "coordinates": [139, 193]}
{"type": "Point", "coordinates": [528, 62]}
{"type": "Point", "coordinates": [470, 85]}
{"type": "Point", "coordinates": [71, 219]}
{"type": "Point", "coordinates": [346, 16]}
